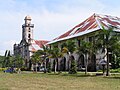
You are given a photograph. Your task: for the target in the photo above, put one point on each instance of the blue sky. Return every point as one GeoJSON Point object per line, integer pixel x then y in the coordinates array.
{"type": "Point", "coordinates": [50, 17]}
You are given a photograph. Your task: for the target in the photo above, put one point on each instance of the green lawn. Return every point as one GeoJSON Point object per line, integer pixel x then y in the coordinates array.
{"type": "Point", "coordinates": [40, 81]}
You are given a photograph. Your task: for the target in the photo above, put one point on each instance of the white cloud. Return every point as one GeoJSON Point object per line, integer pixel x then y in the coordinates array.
{"type": "Point", "coordinates": [7, 45]}
{"type": "Point", "coordinates": [50, 20]}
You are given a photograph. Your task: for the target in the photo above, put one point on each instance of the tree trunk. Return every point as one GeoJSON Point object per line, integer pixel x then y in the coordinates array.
{"type": "Point", "coordinates": [108, 68]}
{"type": "Point", "coordinates": [45, 66]}
{"type": "Point", "coordinates": [86, 62]}
{"type": "Point", "coordinates": [36, 67]}
{"type": "Point", "coordinates": [55, 66]}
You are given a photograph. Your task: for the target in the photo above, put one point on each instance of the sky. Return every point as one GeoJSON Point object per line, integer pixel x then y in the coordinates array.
{"type": "Point", "coordinates": [51, 18]}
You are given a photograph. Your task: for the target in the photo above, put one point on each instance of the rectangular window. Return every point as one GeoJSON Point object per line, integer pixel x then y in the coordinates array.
{"type": "Point", "coordinates": [79, 42]}
{"type": "Point", "coordinates": [90, 39]}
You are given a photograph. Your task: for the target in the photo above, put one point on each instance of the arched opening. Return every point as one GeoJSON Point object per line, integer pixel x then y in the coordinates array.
{"type": "Point", "coordinates": [55, 62]}
{"type": "Point", "coordinates": [38, 66]}
{"type": "Point", "coordinates": [70, 59]}
{"type": "Point", "coordinates": [30, 64]}
{"type": "Point", "coordinates": [47, 62]}
{"type": "Point", "coordinates": [81, 62]}
{"type": "Point", "coordinates": [92, 65]}
{"type": "Point", "coordinates": [63, 64]}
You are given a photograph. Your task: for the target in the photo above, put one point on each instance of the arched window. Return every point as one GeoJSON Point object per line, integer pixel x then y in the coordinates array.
{"type": "Point", "coordinates": [29, 36]}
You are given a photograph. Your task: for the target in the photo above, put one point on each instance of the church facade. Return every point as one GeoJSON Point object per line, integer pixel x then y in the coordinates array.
{"type": "Point", "coordinates": [28, 45]}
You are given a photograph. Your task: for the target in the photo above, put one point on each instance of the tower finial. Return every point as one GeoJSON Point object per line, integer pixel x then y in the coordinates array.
{"type": "Point", "coordinates": [27, 17]}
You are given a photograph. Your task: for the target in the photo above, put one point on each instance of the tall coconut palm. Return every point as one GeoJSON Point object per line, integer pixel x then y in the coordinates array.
{"type": "Point", "coordinates": [107, 39]}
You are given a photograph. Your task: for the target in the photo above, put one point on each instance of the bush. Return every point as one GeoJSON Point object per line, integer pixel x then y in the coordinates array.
{"type": "Point", "coordinates": [115, 70]}
{"type": "Point", "coordinates": [73, 69]}
{"type": "Point", "coordinates": [49, 67]}
{"type": "Point", "coordinates": [2, 69]}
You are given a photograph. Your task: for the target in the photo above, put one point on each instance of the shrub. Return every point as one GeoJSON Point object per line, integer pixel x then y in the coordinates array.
{"type": "Point", "coordinates": [73, 68]}
{"type": "Point", "coordinates": [2, 69]}
{"type": "Point", "coordinates": [115, 70]}
{"type": "Point", "coordinates": [49, 67]}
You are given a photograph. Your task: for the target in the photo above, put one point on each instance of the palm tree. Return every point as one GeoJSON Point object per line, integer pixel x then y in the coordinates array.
{"type": "Point", "coordinates": [85, 49]}
{"type": "Point", "coordinates": [7, 58]}
{"type": "Point", "coordinates": [43, 54]}
{"type": "Point", "coordinates": [35, 58]}
{"type": "Point", "coordinates": [116, 56]}
{"type": "Point", "coordinates": [106, 40]}
{"type": "Point", "coordinates": [69, 47]}
{"type": "Point", "coordinates": [55, 53]}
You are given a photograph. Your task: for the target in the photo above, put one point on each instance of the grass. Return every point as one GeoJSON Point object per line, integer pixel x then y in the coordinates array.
{"type": "Point", "coordinates": [63, 81]}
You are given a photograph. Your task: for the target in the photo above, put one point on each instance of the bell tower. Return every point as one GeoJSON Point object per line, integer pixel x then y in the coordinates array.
{"type": "Point", "coordinates": [27, 30]}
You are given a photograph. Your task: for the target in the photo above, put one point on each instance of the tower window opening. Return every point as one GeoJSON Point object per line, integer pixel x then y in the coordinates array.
{"type": "Point", "coordinates": [29, 36]}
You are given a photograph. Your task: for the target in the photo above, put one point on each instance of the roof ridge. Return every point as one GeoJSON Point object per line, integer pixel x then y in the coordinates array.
{"type": "Point", "coordinates": [97, 20]}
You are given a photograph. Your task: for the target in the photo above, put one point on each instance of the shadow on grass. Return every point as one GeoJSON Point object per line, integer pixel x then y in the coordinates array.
{"type": "Point", "coordinates": [72, 75]}
{"type": "Point", "coordinates": [112, 77]}
{"type": "Point", "coordinates": [76, 75]}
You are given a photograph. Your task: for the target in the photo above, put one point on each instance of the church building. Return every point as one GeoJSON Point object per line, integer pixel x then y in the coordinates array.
{"type": "Point", "coordinates": [86, 31]}
{"type": "Point", "coordinates": [28, 45]}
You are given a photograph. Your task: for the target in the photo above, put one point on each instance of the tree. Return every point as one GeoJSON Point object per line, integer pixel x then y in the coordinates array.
{"type": "Point", "coordinates": [19, 61]}
{"type": "Point", "coordinates": [35, 58]}
{"type": "Point", "coordinates": [85, 49]}
{"type": "Point", "coordinates": [116, 54]}
{"type": "Point", "coordinates": [73, 68]}
{"type": "Point", "coordinates": [1, 60]}
{"type": "Point", "coordinates": [55, 53]}
{"type": "Point", "coordinates": [44, 54]}
{"type": "Point", "coordinates": [49, 67]}
{"type": "Point", "coordinates": [108, 41]}
{"type": "Point", "coordinates": [7, 59]}
{"type": "Point", "coordinates": [69, 47]}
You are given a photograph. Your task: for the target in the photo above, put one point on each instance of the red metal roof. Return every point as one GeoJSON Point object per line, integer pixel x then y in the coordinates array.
{"type": "Point", "coordinates": [37, 44]}
{"type": "Point", "coordinates": [93, 22]}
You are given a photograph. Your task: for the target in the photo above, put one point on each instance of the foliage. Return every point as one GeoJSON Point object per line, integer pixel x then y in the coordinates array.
{"type": "Point", "coordinates": [1, 60]}
{"type": "Point", "coordinates": [18, 61]}
{"type": "Point", "coordinates": [2, 69]}
{"type": "Point", "coordinates": [73, 69]}
{"type": "Point", "coordinates": [115, 70]}
{"type": "Point", "coordinates": [115, 62]}
{"type": "Point", "coordinates": [49, 67]}
{"type": "Point", "coordinates": [85, 49]}
{"type": "Point", "coordinates": [7, 59]}
{"type": "Point", "coordinates": [108, 41]}
{"type": "Point", "coordinates": [35, 58]}
{"type": "Point", "coordinates": [68, 47]}
{"type": "Point", "coordinates": [55, 53]}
